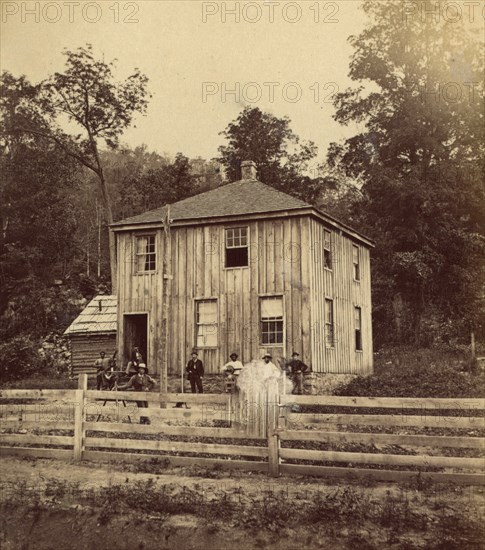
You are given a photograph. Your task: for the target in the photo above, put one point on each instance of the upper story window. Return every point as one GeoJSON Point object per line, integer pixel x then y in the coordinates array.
{"type": "Point", "coordinates": [237, 247]}
{"type": "Point", "coordinates": [356, 262]}
{"type": "Point", "coordinates": [206, 323]}
{"type": "Point", "coordinates": [329, 324]}
{"type": "Point", "coordinates": [327, 249]}
{"type": "Point", "coordinates": [146, 255]}
{"type": "Point", "coordinates": [271, 314]}
{"type": "Point", "coordinates": [358, 328]}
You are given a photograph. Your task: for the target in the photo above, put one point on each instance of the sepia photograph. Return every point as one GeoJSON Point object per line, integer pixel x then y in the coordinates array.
{"type": "Point", "coordinates": [242, 275]}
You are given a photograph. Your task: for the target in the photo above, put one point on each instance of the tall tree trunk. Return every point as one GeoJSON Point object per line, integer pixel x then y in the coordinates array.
{"type": "Point", "coordinates": [98, 219]}
{"type": "Point", "coordinates": [109, 219]}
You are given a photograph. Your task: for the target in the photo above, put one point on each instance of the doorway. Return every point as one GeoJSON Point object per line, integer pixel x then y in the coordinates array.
{"type": "Point", "coordinates": [135, 334]}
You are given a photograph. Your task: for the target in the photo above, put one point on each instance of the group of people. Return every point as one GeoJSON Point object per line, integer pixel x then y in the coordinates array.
{"type": "Point", "coordinates": [139, 379]}
{"type": "Point", "coordinates": [136, 377]}
{"type": "Point", "coordinates": [295, 368]}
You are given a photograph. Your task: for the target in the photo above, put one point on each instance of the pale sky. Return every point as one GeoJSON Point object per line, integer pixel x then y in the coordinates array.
{"type": "Point", "coordinates": [183, 52]}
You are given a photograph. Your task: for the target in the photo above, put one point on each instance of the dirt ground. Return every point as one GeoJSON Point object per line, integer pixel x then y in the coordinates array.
{"type": "Point", "coordinates": [67, 523]}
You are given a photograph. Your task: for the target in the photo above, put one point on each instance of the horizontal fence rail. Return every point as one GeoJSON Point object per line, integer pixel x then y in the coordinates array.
{"type": "Point", "coordinates": [387, 439]}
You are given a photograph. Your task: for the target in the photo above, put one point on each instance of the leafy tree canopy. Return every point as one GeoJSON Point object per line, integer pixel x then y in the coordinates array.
{"type": "Point", "coordinates": [421, 158]}
{"type": "Point", "coordinates": [280, 156]}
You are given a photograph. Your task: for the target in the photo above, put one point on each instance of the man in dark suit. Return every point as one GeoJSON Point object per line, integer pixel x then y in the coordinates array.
{"type": "Point", "coordinates": [297, 368]}
{"type": "Point", "coordinates": [195, 372]}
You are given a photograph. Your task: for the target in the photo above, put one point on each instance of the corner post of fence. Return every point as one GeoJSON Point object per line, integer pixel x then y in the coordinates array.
{"type": "Point", "coordinates": [273, 438]}
{"type": "Point", "coordinates": [79, 417]}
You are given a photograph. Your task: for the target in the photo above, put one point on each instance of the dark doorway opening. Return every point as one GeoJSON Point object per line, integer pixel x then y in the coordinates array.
{"type": "Point", "coordinates": [136, 335]}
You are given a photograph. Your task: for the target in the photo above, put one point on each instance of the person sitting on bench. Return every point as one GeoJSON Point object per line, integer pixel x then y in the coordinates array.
{"type": "Point", "coordinates": [140, 382]}
{"type": "Point", "coordinates": [136, 359]}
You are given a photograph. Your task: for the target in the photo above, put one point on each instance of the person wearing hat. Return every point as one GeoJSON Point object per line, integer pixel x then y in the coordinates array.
{"type": "Point", "coordinates": [231, 370]}
{"type": "Point", "coordinates": [140, 382]}
{"type": "Point", "coordinates": [233, 366]}
{"type": "Point", "coordinates": [270, 370]}
{"type": "Point", "coordinates": [297, 368]}
{"type": "Point", "coordinates": [195, 372]}
{"type": "Point", "coordinates": [136, 359]}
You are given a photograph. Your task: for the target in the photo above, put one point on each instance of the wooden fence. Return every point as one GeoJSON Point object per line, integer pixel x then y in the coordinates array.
{"type": "Point", "coordinates": [388, 439]}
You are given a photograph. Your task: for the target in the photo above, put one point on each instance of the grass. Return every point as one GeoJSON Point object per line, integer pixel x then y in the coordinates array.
{"type": "Point", "coordinates": [408, 372]}
{"type": "Point", "coordinates": [41, 382]}
{"type": "Point", "coordinates": [340, 512]}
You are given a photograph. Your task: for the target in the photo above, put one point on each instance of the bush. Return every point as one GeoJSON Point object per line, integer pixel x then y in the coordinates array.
{"type": "Point", "coordinates": [405, 372]}
{"type": "Point", "coordinates": [19, 357]}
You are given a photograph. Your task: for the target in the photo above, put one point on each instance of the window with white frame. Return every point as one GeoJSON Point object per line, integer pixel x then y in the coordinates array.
{"type": "Point", "coordinates": [237, 247]}
{"type": "Point", "coordinates": [146, 255]}
{"type": "Point", "coordinates": [206, 323]}
{"type": "Point", "coordinates": [272, 322]}
{"type": "Point", "coordinates": [356, 262]}
{"type": "Point", "coordinates": [358, 328]}
{"type": "Point", "coordinates": [327, 249]}
{"type": "Point", "coordinates": [329, 324]}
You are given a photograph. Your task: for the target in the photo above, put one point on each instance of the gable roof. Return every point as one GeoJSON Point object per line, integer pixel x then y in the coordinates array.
{"type": "Point", "coordinates": [232, 199]}
{"type": "Point", "coordinates": [98, 316]}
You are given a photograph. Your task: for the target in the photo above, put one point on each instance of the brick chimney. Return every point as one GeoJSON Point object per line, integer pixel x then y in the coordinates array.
{"type": "Point", "coordinates": [248, 170]}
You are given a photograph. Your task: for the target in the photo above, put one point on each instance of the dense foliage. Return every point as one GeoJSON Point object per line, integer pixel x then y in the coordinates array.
{"type": "Point", "coordinates": [420, 157]}
{"type": "Point", "coordinates": [407, 372]}
{"type": "Point", "coordinates": [281, 157]}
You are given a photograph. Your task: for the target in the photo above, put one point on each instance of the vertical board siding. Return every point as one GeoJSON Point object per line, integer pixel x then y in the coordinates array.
{"type": "Point", "coordinates": [286, 259]}
{"type": "Point", "coordinates": [338, 284]}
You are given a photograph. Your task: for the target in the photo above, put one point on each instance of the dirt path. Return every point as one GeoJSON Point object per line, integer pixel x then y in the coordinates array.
{"type": "Point", "coordinates": [76, 527]}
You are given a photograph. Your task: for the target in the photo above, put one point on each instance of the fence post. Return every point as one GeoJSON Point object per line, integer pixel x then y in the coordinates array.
{"type": "Point", "coordinates": [229, 410]}
{"type": "Point", "coordinates": [79, 417]}
{"type": "Point", "coordinates": [272, 410]}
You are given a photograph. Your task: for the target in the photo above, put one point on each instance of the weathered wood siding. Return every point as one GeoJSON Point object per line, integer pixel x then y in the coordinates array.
{"type": "Point", "coordinates": [139, 293]}
{"type": "Point", "coordinates": [85, 350]}
{"type": "Point", "coordinates": [338, 284]}
{"type": "Point", "coordinates": [283, 261]}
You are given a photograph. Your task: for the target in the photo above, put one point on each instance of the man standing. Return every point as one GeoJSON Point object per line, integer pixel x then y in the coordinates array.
{"type": "Point", "coordinates": [102, 365]}
{"type": "Point", "coordinates": [297, 368]}
{"type": "Point", "coordinates": [195, 372]}
{"type": "Point", "coordinates": [140, 382]}
{"type": "Point", "coordinates": [270, 369]}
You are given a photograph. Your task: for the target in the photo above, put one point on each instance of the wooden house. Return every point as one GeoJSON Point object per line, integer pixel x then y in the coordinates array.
{"type": "Point", "coordinates": [249, 269]}
{"type": "Point", "coordinates": [93, 331]}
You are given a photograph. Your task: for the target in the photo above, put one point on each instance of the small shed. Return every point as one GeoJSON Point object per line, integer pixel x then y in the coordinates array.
{"type": "Point", "coordinates": [93, 331]}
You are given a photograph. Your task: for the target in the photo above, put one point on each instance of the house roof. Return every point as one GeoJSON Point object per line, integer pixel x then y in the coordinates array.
{"type": "Point", "coordinates": [231, 199]}
{"type": "Point", "coordinates": [243, 197]}
{"type": "Point", "coordinates": [98, 316]}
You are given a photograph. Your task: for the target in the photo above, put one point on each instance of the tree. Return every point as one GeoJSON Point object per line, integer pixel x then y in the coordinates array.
{"type": "Point", "coordinates": [39, 221]}
{"type": "Point", "coordinates": [88, 98]}
{"type": "Point", "coordinates": [146, 189]}
{"type": "Point", "coordinates": [281, 158]}
{"type": "Point", "coordinates": [420, 157]}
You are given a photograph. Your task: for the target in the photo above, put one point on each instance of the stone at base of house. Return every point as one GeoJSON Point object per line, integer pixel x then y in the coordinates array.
{"type": "Point", "coordinates": [212, 383]}
{"type": "Point", "coordinates": [322, 383]}
{"type": "Point", "coordinates": [315, 383]}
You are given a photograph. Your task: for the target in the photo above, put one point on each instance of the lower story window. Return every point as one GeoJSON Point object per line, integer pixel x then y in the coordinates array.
{"type": "Point", "coordinates": [329, 324]}
{"type": "Point", "coordinates": [206, 323]}
{"type": "Point", "coordinates": [358, 328]}
{"type": "Point", "coordinates": [271, 315]}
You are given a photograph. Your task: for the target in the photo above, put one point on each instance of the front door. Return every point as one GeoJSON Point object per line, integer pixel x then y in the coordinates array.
{"type": "Point", "coordinates": [136, 335]}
